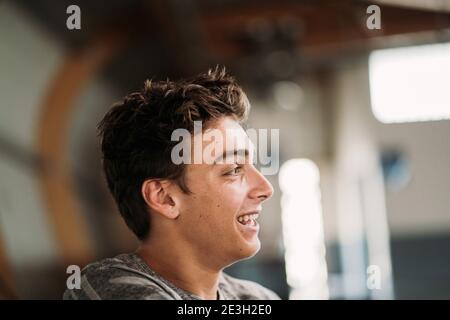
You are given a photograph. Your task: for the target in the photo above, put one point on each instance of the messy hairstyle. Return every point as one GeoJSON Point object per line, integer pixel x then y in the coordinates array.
{"type": "Point", "coordinates": [136, 134]}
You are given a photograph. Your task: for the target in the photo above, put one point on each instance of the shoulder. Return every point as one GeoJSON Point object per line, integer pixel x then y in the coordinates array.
{"type": "Point", "coordinates": [118, 278]}
{"type": "Point", "coordinates": [245, 289]}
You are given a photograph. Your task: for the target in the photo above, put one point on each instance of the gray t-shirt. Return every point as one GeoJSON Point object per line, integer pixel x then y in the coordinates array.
{"type": "Point", "coordinates": [127, 276]}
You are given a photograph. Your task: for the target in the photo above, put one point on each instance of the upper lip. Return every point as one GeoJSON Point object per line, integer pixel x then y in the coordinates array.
{"type": "Point", "coordinates": [250, 212]}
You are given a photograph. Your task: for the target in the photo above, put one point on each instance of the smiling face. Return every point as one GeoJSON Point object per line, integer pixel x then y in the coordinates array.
{"type": "Point", "coordinates": [219, 216]}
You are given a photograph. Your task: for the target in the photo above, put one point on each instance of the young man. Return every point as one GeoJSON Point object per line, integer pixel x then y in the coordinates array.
{"type": "Point", "coordinates": [193, 219]}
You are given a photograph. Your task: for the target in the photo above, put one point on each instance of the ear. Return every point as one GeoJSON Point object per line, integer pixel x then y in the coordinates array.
{"type": "Point", "coordinates": [156, 193]}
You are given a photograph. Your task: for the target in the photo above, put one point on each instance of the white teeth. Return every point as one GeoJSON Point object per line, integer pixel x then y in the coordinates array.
{"type": "Point", "coordinates": [248, 217]}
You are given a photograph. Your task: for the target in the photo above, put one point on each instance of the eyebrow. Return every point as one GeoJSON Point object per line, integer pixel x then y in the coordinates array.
{"type": "Point", "coordinates": [228, 153]}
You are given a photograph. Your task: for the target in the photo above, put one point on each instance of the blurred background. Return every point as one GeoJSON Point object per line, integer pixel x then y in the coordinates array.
{"type": "Point", "coordinates": [362, 200]}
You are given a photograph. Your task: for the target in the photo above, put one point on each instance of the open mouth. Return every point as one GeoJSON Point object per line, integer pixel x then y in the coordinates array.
{"type": "Point", "coordinates": [248, 219]}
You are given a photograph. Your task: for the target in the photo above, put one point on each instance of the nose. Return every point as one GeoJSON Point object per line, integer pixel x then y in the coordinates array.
{"type": "Point", "coordinates": [261, 188]}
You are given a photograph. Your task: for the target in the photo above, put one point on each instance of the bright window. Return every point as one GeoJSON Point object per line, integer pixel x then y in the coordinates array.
{"type": "Point", "coordinates": [304, 243]}
{"type": "Point", "coordinates": [410, 84]}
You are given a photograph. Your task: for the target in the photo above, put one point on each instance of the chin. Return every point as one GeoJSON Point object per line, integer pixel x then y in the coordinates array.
{"type": "Point", "coordinates": [245, 251]}
{"type": "Point", "coordinates": [249, 249]}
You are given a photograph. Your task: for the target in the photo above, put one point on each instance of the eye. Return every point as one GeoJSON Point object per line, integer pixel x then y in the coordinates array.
{"type": "Point", "coordinates": [236, 170]}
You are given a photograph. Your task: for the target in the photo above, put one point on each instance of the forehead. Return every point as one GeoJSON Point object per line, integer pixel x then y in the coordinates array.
{"type": "Point", "coordinates": [228, 127]}
{"type": "Point", "coordinates": [222, 141]}
{"type": "Point", "coordinates": [232, 134]}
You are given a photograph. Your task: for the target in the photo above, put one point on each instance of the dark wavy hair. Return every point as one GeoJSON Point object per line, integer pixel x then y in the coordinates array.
{"type": "Point", "coordinates": [136, 134]}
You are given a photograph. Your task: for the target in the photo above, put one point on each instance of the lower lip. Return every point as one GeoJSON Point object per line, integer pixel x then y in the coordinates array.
{"type": "Point", "coordinates": [248, 228]}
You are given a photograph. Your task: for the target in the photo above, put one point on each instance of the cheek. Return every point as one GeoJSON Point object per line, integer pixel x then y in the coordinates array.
{"type": "Point", "coordinates": [214, 201]}
{"type": "Point", "coordinates": [221, 204]}
{"type": "Point", "coordinates": [228, 202]}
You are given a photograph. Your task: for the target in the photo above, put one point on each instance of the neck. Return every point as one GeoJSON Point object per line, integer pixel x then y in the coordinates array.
{"type": "Point", "coordinates": [179, 265]}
